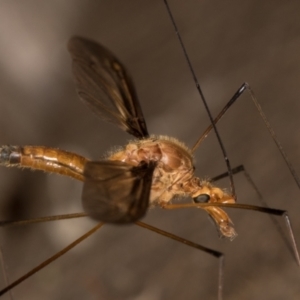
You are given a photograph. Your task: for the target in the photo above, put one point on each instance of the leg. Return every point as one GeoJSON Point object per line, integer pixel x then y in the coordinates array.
{"type": "Point", "coordinates": [51, 259]}
{"type": "Point", "coordinates": [217, 254]}
{"type": "Point", "coordinates": [213, 123]}
{"type": "Point", "coordinates": [4, 272]}
{"type": "Point", "coordinates": [43, 219]}
{"type": "Point", "coordinates": [246, 87]}
{"type": "Point", "coordinates": [219, 116]}
{"type": "Point", "coordinates": [271, 211]}
{"type": "Point", "coordinates": [209, 251]}
{"type": "Point", "coordinates": [234, 171]}
{"type": "Point", "coordinates": [241, 168]}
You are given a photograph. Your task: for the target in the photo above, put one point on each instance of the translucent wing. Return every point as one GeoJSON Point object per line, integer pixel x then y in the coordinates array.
{"type": "Point", "coordinates": [105, 86]}
{"type": "Point", "coordinates": [116, 192]}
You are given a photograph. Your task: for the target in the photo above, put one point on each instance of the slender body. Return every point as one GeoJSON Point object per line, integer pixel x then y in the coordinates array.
{"type": "Point", "coordinates": [173, 174]}
{"type": "Point", "coordinates": [148, 171]}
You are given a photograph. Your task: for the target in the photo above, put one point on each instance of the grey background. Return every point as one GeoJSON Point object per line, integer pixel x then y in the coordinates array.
{"type": "Point", "coordinates": [228, 43]}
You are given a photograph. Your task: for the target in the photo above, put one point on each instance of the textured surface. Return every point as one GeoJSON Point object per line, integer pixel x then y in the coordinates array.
{"type": "Point", "coordinates": [229, 43]}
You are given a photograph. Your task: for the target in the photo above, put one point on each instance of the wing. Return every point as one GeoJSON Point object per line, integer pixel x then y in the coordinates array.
{"type": "Point", "coordinates": [115, 192]}
{"type": "Point", "coordinates": [104, 85]}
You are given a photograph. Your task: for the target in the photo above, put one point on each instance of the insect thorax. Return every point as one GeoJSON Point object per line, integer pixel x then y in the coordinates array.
{"type": "Point", "coordinates": [174, 173]}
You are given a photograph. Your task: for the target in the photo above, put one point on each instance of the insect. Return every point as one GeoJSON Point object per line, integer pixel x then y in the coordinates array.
{"type": "Point", "coordinates": [150, 171]}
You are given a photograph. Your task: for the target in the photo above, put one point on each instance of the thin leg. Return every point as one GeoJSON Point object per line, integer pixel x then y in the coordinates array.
{"type": "Point", "coordinates": [234, 171]}
{"type": "Point", "coordinates": [273, 135]}
{"type": "Point", "coordinates": [214, 253]}
{"type": "Point", "coordinates": [242, 169]}
{"type": "Point", "coordinates": [50, 259]}
{"type": "Point", "coordinates": [42, 219]}
{"type": "Point", "coordinates": [246, 87]}
{"type": "Point", "coordinates": [202, 97]}
{"type": "Point", "coordinates": [219, 116]}
{"type": "Point", "coordinates": [266, 210]}
{"type": "Point", "coordinates": [5, 276]}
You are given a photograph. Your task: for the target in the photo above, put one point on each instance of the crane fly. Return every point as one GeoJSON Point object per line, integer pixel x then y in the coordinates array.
{"type": "Point", "coordinates": [149, 171]}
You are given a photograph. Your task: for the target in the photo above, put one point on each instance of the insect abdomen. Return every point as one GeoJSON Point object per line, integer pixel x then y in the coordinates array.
{"type": "Point", "coordinates": [43, 158]}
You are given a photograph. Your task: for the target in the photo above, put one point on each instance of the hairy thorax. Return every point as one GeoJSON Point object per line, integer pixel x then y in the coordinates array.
{"type": "Point", "coordinates": [174, 173]}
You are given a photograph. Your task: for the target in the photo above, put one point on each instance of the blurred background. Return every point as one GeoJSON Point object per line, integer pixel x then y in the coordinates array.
{"type": "Point", "coordinates": [228, 43]}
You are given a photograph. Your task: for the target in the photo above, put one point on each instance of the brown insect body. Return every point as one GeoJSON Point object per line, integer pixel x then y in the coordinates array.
{"type": "Point", "coordinates": [148, 171]}
{"type": "Point", "coordinates": [43, 158]}
{"type": "Point", "coordinates": [174, 176]}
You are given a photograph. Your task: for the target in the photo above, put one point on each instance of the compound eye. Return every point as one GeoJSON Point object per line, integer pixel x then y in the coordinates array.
{"type": "Point", "coordinates": [203, 198]}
